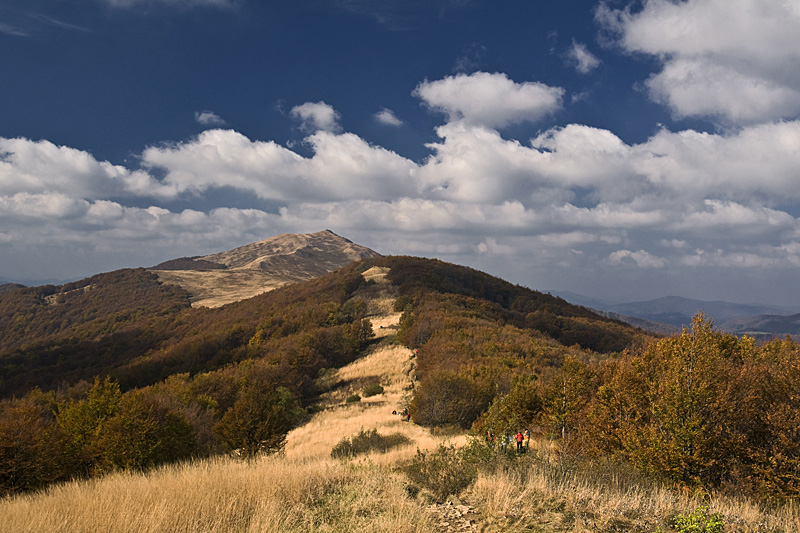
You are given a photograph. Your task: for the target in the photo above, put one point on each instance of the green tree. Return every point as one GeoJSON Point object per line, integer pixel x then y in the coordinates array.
{"type": "Point", "coordinates": [566, 394]}
{"type": "Point", "coordinates": [768, 420]}
{"type": "Point", "coordinates": [672, 409]}
{"type": "Point", "coordinates": [513, 411]}
{"type": "Point", "coordinates": [689, 397]}
{"type": "Point", "coordinates": [83, 421]}
{"type": "Point", "coordinates": [259, 420]}
{"type": "Point", "coordinates": [142, 434]}
{"type": "Point", "coordinates": [446, 397]}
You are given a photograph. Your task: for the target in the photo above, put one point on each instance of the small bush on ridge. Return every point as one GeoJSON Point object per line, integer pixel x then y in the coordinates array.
{"type": "Point", "coordinates": [366, 442]}
{"type": "Point", "coordinates": [698, 521]}
{"type": "Point", "coordinates": [372, 390]}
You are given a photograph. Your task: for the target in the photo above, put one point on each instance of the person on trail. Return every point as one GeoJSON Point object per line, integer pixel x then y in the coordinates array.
{"type": "Point", "coordinates": [519, 441]}
{"type": "Point", "coordinates": [527, 439]}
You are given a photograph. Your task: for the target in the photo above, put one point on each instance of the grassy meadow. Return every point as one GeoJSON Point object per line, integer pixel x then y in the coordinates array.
{"type": "Point", "coordinates": [367, 494]}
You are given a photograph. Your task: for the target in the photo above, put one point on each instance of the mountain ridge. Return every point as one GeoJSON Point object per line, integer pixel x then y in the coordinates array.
{"type": "Point", "coordinates": [670, 313]}
{"type": "Point", "coordinates": [224, 277]}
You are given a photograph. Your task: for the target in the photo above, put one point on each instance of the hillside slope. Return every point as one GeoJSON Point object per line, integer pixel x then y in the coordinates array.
{"type": "Point", "coordinates": [764, 326]}
{"type": "Point", "coordinates": [387, 364]}
{"type": "Point", "coordinates": [488, 356]}
{"type": "Point", "coordinates": [140, 330]}
{"type": "Point", "coordinates": [225, 277]}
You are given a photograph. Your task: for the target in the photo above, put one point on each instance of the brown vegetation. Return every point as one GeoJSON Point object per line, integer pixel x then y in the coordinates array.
{"type": "Point", "coordinates": [699, 413]}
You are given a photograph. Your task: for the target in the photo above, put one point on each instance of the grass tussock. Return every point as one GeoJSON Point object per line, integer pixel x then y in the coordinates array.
{"type": "Point", "coordinates": [224, 495]}
{"type": "Point", "coordinates": [532, 500]}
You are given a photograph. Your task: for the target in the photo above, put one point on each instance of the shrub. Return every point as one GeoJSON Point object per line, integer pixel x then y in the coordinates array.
{"type": "Point", "coordinates": [698, 521]}
{"type": "Point", "coordinates": [444, 472]}
{"type": "Point", "coordinates": [31, 447]}
{"type": "Point", "coordinates": [327, 380]}
{"type": "Point", "coordinates": [366, 442]}
{"type": "Point", "coordinates": [446, 398]}
{"type": "Point", "coordinates": [143, 434]}
{"type": "Point", "coordinates": [515, 410]}
{"type": "Point", "coordinates": [353, 398]}
{"type": "Point", "coordinates": [372, 390]}
{"type": "Point", "coordinates": [259, 420]}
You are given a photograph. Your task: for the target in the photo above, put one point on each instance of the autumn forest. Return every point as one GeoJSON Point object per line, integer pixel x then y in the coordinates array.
{"type": "Point", "coordinates": [118, 372]}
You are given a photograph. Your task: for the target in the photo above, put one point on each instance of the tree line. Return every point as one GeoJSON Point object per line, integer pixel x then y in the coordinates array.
{"type": "Point", "coordinates": [701, 409]}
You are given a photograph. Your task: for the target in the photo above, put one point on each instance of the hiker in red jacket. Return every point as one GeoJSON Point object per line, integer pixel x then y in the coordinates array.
{"type": "Point", "coordinates": [519, 441]}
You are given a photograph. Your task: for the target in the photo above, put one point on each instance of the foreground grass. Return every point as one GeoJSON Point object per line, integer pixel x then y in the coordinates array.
{"type": "Point", "coordinates": [226, 495]}
{"type": "Point", "coordinates": [542, 491]}
{"type": "Point", "coordinates": [366, 495]}
{"type": "Point", "coordinates": [536, 499]}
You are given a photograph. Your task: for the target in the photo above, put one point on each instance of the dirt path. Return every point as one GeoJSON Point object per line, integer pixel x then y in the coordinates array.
{"type": "Point", "coordinates": [392, 366]}
{"type": "Point", "coordinates": [453, 518]}
{"type": "Point", "coordinates": [387, 364]}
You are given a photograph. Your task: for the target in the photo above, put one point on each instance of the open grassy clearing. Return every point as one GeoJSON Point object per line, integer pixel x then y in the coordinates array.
{"type": "Point", "coordinates": [389, 365]}
{"type": "Point", "coordinates": [226, 495]}
{"type": "Point", "coordinates": [547, 496]}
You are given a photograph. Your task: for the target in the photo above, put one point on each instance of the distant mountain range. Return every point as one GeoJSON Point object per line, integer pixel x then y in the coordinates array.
{"type": "Point", "coordinates": [670, 313]}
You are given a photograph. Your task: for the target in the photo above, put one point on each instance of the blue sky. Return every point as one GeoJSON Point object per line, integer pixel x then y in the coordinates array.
{"type": "Point", "coordinates": [623, 150]}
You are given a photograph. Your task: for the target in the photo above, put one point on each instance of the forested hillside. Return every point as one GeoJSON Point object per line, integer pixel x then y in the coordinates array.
{"type": "Point", "coordinates": [137, 379]}
{"type": "Point", "coordinates": [701, 409]}
{"type": "Point", "coordinates": [205, 380]}
{"type": "Point", "coordinates": [61, 334]}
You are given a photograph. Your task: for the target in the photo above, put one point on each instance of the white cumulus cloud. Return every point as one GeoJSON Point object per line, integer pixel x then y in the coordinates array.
{"type": "Point", "coordinates": [734, 60]}
{"type": "Point", "coordinates": [208, 118]}
{"type": "Point", "coordinates": [387, 117]}
{"type": "Point", "coordinates": [640, 258]}
{"type": "Point", "coordinates": [491, 100]}
{"type": "Point", "coordinates": [43, 167]}
{"type": "Point", "coordinates": [573, 199]}
{"type": "Point", "coordinates": [343, 166]}
{"type": "Point", "coordinates": [314, 116]}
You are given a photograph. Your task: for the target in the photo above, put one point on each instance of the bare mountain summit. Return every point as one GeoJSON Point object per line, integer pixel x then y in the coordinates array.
{"type": "Point", "coordinates": [225, 277]}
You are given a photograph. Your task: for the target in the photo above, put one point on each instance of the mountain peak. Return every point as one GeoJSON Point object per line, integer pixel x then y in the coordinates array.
{"type": "Point", "coordinates": [324, 246]}
{"type": "Point", "coordinates": [248, 270]}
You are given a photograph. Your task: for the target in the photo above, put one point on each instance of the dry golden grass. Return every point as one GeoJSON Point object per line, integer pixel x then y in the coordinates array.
{"type": "Point", "coordinates": [215, 288]}
{"type": "Point", "coordinates": [542, 497]}
{"type": "Point", "coordinates": [225, 495]}
{"type": "Point", "coordinates": [303, 490]}
{"type": "Point", "coordinates": [379, 297]}
{"type": "Point", "coordinates": [388, 365]}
